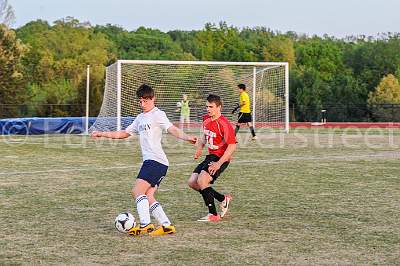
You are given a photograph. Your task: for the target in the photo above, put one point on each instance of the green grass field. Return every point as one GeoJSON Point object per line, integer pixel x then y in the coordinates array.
{"type": "Point", "coordinates": [306, 198]}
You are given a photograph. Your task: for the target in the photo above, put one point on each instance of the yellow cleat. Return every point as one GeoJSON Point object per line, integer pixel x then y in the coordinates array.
{"type": "Point", "coordinates": [137, 230]}
{"type": "Point", "coordinates": [163, 230]}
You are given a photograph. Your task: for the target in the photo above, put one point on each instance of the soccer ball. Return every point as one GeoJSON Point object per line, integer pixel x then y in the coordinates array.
{"type": "Point", "coordinates": [124, 221]}
{"type": "Point", "coordinates": [179, 104]}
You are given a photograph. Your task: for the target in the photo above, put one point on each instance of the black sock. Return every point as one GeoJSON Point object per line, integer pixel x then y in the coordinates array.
{"type": "Point", "coordinates": [237, 129]}
{"type": "Point", "coordinates": [252, 131]}
{"type": "Point", "coordinates": [208, 197]}
{"type": "Point", "coordinates": [218, 196]}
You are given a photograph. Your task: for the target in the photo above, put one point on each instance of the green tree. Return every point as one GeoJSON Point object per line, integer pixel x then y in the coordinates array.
{"type": "Point", "coordinates": [57, 93]}
{"type": "Point", "coordinates": [308, 93]}
{"type": "Point", "coordinates": [280, 49]}
{"type": "Point", "coordinates": [144, 43]}
{"type": "Point", "coordinates": [58, 58]}
{"type": "Point", "coordinates": [256, 40]}
{"type": "Point", "coordinates": [324, 55]}
{"type": "Point", "coordinates": [222, 43]}
{"type": "Point", "coordinates": [11, 77]}
{"type": "Point", "coordinates": [372, 59]}
{"type": "Point", "coordinates": [186, 40]}
{"type": "Point", "coordinates": [344, 100]}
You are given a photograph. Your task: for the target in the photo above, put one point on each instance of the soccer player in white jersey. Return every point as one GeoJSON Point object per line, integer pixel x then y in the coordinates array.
{"type": "Point", "coordinates": [149, 125]}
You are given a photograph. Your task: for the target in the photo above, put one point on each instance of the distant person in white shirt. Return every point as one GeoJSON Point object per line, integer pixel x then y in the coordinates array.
{"type": "Point", "coordinates": [149, 125]}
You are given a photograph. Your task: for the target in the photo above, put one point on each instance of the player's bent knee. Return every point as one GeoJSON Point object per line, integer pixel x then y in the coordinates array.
{"type": "Point", "coordinates": [151, 198]}
{"type": "Point", "coordinates": [136, 192]}
{"type": "Point", "coordinates": [193, 184]}
{"type": "Point", "coordinates": [203, 184]}
{"type": "Point", "coordinates": [192, 181]}
{"type": "Point", "coordinates": [204, 180]}
{"type": "Point", "coordinates": [133, 193]}
{"type": "Point", "coordinates": [149, 194]}
{"type": "Point", "coordinates": [151, 191]}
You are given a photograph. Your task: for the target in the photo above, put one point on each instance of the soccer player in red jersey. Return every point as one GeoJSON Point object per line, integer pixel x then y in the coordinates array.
{"type": "Point", "coordinates": [219, 136]}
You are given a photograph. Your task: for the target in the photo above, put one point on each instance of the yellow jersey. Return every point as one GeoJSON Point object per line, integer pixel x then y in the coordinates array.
{"type": "Point", "coordinates": [244, 98]}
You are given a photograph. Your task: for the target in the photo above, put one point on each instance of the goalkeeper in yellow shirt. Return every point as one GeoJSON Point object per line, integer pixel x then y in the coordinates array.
{"type": "Point", "coordinates": [244, 116]}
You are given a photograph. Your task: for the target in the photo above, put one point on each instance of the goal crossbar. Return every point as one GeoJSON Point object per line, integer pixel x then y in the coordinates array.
{"type": "Point", "coordinates": [169, 62]}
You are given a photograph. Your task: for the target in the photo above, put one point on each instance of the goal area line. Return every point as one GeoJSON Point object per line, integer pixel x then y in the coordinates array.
{"type": "Point", "coordinates": [382, 155]}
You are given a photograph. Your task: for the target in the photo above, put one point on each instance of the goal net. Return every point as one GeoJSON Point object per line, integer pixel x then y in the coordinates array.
{"type": "Point", "coordinates": [266, 83]}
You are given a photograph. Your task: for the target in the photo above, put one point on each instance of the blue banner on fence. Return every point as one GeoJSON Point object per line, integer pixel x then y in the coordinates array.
{"type": "Point", "coordinates": [37, 126]}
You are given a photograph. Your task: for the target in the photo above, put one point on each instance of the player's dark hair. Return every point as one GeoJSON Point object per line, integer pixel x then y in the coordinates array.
{"type": "Point", "coordinates": [212, 98]}
{"type": "Point", "coordinates": [145, 92]}
{"type": "Point", "coordinates": [242, 86]}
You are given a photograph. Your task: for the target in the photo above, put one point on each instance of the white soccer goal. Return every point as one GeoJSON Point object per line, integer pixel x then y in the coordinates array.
{"type": "Point", "coordinates": [267, 85]}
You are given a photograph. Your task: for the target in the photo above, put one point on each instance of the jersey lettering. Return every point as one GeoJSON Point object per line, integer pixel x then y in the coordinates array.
{"type": "Point", "coordinates": [210, 135]}
{"type": "Point", "coordinates": [143, 127]}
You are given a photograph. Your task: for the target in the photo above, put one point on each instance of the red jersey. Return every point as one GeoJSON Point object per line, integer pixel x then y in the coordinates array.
{"type": "Point", "coordinates": [218, 133]}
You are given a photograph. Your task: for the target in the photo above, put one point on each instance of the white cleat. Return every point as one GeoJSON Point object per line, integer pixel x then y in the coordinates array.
{"type": "Point", "coordinates": [225, 205]}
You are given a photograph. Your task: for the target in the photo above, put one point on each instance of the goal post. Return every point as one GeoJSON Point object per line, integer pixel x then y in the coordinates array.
{"type": "Point", "coordinates": [267, 84]}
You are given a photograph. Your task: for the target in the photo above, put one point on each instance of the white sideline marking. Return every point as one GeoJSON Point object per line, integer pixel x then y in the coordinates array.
{"type": "Point", "coordinates": [393, 155]}
{"type": "Point", "coordinates": [67, 170]}
{"type": "Point", "coordinates": [11, 157]}
{"type": "Point", "coordinates": [17, 142]}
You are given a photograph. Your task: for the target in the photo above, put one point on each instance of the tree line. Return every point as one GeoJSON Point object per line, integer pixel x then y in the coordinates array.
{"type": "Point", "coordinates": [44, 64]}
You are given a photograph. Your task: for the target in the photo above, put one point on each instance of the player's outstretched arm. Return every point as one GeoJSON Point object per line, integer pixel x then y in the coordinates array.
{"type": "Point", "coordinates": [199, 147]}
{"type": "Point", "coordinates": [110, 135]}
{"type": "Point", "coordinates": [176, 132]}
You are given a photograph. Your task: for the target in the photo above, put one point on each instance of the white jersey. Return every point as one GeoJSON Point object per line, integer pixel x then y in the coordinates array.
{"type": "Point", "coordinates": [150, 127]}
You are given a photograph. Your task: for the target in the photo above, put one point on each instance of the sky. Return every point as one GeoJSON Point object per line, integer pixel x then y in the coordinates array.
{"type": "Point", "coordinates": [339, 18]}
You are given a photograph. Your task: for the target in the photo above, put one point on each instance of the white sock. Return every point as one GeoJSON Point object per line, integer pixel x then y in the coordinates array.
{"type": "Point", "coordinates": [142, 206]}
{"type": "Point", "coordinates": [158, 213]}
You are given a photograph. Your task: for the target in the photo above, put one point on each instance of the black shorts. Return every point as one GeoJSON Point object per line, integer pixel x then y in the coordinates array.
{"type": "Point", "coordinates": [153, 172]}
{"type": "Point", "coordinates": [203, 166]}
{"type": "Point", "coordinates": [244, 118]}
